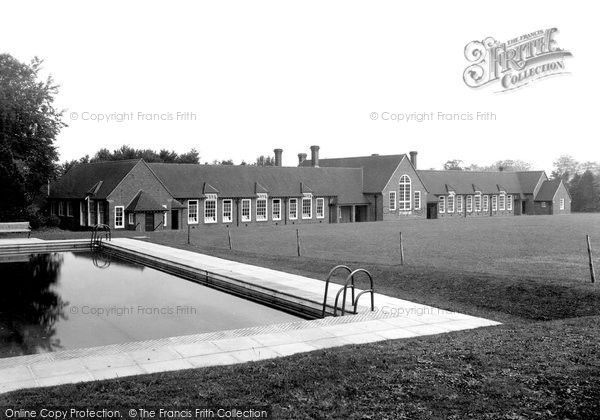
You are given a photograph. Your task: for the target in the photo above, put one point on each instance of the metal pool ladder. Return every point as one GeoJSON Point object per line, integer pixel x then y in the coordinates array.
{"type": "Point", "coordinates": [100, 232]}
{"type": "Point", "coordinates": [349, 283]}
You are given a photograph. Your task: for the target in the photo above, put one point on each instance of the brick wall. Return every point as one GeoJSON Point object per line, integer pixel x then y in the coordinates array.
{"type": "Point", "coordinates": [387, 213]}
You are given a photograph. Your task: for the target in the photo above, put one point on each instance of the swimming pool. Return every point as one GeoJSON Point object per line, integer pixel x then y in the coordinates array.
{"type": "Point", "coordinates": [68, 300]}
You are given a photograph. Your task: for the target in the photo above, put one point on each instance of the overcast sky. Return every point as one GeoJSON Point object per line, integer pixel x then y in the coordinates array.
{"type": "Point", "coordinates": [262, 75]}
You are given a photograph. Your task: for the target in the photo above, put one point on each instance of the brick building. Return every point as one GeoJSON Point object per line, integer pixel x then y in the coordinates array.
{"type": "Point", "coordinates": [136, 195]}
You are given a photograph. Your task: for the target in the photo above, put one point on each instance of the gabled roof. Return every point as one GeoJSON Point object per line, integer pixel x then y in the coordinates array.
{"type": "Point", "coordinates": [144, 202]}
{"type": "Point", "coordinates": [548, 190]}
{"type": "Point", "coordinates": [186, 180]}
{"type": "Point", "coordinates": [98, 179]}
{"type": "Point", "coordinates": [529, 180]}
{"type": "Point", "coordinates": [377, 169]}
{"type": "Point", "coordinates": [468, 182]}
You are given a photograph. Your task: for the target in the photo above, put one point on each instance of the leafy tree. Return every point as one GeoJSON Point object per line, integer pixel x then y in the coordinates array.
{"type": "Point", "coordinates": [29, 124]}
{"type": "Point", "coordinates": [565, 167]}
{"type": "Point", "coordinates": [128, 152]}
{"type": "Point", "coordinates": [454, 165]}
{"type": "Point", "coordinates": [190, 157]}
{"type": "Point", "coordinates": [265, 161]}
{"type": "Point", "coordinates": [585, 192]}
{"type": "Point", "coordinates": [508, 165]}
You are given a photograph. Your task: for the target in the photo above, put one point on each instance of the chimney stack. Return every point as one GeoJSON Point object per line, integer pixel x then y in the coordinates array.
{"type": "Point", "coordinates": [278, 153]}
{"type": "Point", "coordinates": [301, 158]}
{"type": "Point", "coordinates": [413, 158]}
{"type": "Point", "coordinates": [314, 150]}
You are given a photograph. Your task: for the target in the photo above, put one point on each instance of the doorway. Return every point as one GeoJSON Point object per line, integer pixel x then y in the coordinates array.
{"type": "Point", "coordinates": [432, 210]}
{"type": "Point", "coordinates": [175, 219]}
{"type": "Point", "coordinates": [149, 222]}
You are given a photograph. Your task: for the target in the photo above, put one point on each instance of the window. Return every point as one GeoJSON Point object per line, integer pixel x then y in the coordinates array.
{"type": "Point", "coordinates": [320, 208]}
{"type": "Point", "coordinates": [69, 209]}
{"type": "Point", "coordinates": [227, 210]}
{"type": "Point", "coordinates": [82, 212]}
{"type": "Point", "coordinates": [392, 200]}
{"type": "Point", "coordinates": [509, 202]}
{"type": "Point", "coordinates": [442, 204]}
{"type": "Point", "coordinates": [100, 213]}
{"type": "Point", "coordinates": [131, 218]}
{"type": "Point", "coordinates": [61, 208]}
{"type": "Point", "coordinates": [165, 219]}
{"type": "Point", "coordinates": [307, 208]}
{"type": "Point", "coordinates": [210, 208]}
{"type": "Point", "coordinates": [404, 193]}
{"type": "Point", "coordinates": [544, 204]}
{"type": "Point", "coordinates": [562, 203]}
{"type": "Point", "coordinates": [261, 207]}
{"type": "Point", "coordinates": [119, 217]}
{"type": "Point", "coordinates": [52, 208]}
{"type": "Point", "coordinates": [478, 202]}
{"type": "Point", "coordinates": [459, 204]}
{"type": "Point", "coordinates": [246, 207]}
{"type": "Point", "coordinates": [293, 209]}
{"type": "Point", "coordinates": [502, 201]}
{"type": "Point", "coordinates": [486, 202]}
{"type": "Point", "coordinates": [451, 199]}
{"type": "Point", "coordinates": [192, 212]}
{"type": "Point", "coordinates": [469, 203]}
{"type": "Point", "coordinates": [276, 210]}
{"type": "Point", "coordinates": [494, 202]}
{"type": "Point", "coordinates": [417, 200]}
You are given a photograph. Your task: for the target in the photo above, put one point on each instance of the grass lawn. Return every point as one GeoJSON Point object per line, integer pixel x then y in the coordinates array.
{"type": "Point", "coordinates": [528, 272]}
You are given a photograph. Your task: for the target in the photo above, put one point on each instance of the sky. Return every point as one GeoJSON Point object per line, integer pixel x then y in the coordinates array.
{"type": "Point", "coordinates": [237, 79]}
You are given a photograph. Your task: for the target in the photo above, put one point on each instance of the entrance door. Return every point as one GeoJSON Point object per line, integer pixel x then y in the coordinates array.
{"type": "Point", "coordinates": [346, 214]}
{"type": "Point", "coordinates": [174, 219]}
{"type": "Point", "coordinates": [360, 214]}
{"type": "Point", "coordinates": [149, 222]}
{"type": "Point", "coordinates": [523, 207]}
{"type": "Point", "coordinates": [432, 210]}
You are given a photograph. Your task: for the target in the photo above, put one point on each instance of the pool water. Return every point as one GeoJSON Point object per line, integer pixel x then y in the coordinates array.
{"type": "Point", "coordinates": [60, 301]}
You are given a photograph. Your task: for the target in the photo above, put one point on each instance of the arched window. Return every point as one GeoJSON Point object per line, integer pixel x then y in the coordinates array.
{"type": "Point", "coordinates": [404, 193]}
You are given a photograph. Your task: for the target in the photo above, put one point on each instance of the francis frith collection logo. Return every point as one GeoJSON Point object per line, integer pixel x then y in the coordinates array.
{"type": "Point", "coordinates": [514, 63]}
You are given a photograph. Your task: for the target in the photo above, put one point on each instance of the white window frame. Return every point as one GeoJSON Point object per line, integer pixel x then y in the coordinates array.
{"type": "Point", "coordinates": [61, 208]}
{"type": "Point", "coordinates": [212, 200]}
{"type": "Point", "coordinates": [82, 213]}
{"type": "Point", "coordinates": [562, 203]}
{"type": "Point", "coordinates": [247, 217]}
{"type": "Point", "coordinates": [442, 204]}
{"type": "Point", "coordinates": [509, 202]}
{"type": "Point", "coordinates": [193, 220]}
{"type": "Point", "coordinates": [165, 219]}
{"type": "Point", "coordinates": [544, 204]}
{"type": "Point", "coordinates": [53, 206]}
{"type": "Point", "coordinates": [224, 216]}
{"type": "Point", "coordinates": [469, 204]}
{"type": "Point", "coordinates": [502, 201]}
{"type": "Point", "coordinates": [262, 199]}
{"type": "Point", "coordinates": [459, 203]}
{"type": "Point", "coordinates": [494, 202]}
{"type": "Point", "coordinates": [131, 218]}
{"type": "Point", "coordinates": [451, 199]}
{"type": "Point", "coordinates": [392, 200]}
{"type": "Point", "coordinates": [276, 209]}
{"type": "Point", "coordinates": [320, 204]}
{"type": "Point", "coordinates": [486, 202]}
{"type": "Point", "coordinates": [98, 213]}
{"type": "Point", "coordinates": [404, 193]}
{"type": "Point", "coordinates": [417, 200]}
{"type": "Point", "coordinates": [122, 217]}
{"type": "Point", "coordinates": [477, 201]}
{"type": "Point", "coordinates": [69, 209]}
{"type": "Point", "coordinates": [293, 204]}
{"type": "Point", "coordinates": [307, 216]}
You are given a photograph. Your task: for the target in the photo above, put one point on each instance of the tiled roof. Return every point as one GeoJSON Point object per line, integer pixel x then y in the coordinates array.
{"type": "Point", "coordinates": [547, 190]}
{"type": "Point", "coordinates": [187, 181]}
{"type": "Point", "coordinates": [529, 180]}
{"type": "Point", "coordinates": [144, 202]}
{"type": "Point", "coordinates": [377, 169]}
{"type": "Point", "coordinates": [467, 182]}
{"type": "Point", "coordinates": [99, 179]}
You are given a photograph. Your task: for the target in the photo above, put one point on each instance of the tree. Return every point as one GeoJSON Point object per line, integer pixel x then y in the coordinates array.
{"type": "Point", "coordinates": [565, 167]}
{"type": "Point", "coordinates": [508, 165]}
{"type": "Point", "coordinates": [265, 161]}
{"type": "Point", "coordinates": [585, 192]}
{"type": "Point", "coordinates": [29, 124]}
{"type": "Point", "coordinates": [453, 165]}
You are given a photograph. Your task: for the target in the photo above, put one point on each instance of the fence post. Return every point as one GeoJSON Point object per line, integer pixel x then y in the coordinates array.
{"type": "Point", "coordinates": [298, 241]}
{"type": "Point", "coordinates": [229, 237]}
{"type": "Point", "coordinates": [589, 248]}
{"type": "Point", "coordinates": [401, 250]}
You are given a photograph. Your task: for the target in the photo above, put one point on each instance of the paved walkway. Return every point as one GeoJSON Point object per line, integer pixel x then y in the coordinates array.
{"type": "Point", "coordinates": [392, 319]}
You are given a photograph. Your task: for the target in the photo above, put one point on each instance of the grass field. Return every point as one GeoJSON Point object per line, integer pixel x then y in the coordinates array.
{"type": "Point", "coordinates": [529, 272]}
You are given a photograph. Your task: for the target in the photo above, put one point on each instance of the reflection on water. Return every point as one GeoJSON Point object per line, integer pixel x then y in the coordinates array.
{"type": "Point", "coordinates": [59, 301]}
{"type": "Point", "coordinates": [29, 308]}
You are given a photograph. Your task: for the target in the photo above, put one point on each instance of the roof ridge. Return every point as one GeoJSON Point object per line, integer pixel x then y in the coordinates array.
{"type": "Point", "coordinates": [109, 161]}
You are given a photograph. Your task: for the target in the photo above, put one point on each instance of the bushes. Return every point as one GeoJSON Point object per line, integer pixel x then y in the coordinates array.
{"type": "Point", "coordinates": [38, 220]}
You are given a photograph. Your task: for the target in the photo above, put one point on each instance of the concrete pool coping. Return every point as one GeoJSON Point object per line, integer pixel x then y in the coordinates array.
{"type": "Point", "coordinates": [393, 319]}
